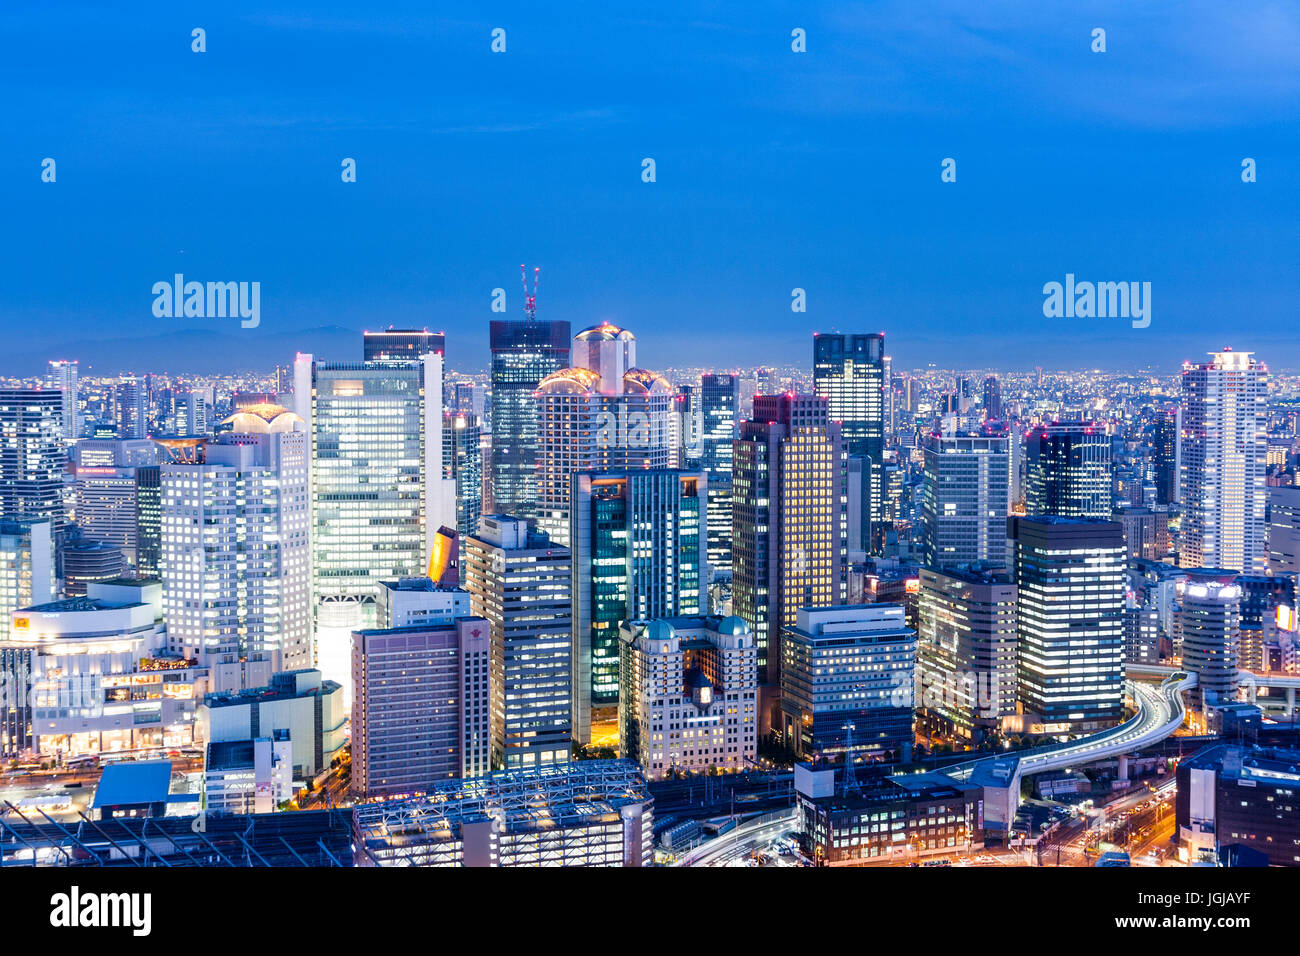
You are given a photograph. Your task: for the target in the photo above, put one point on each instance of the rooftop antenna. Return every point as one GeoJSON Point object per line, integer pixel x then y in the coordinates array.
{"type": "Point", "coordinates": [530, 300]}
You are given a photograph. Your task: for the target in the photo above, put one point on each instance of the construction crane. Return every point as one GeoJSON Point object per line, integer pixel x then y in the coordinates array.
{"type": "Point", "coordinates": [530, 300]}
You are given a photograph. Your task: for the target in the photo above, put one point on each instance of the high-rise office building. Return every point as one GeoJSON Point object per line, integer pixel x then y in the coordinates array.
{"type": "Point", "coordinates": [524, 352]}
{"type": "Point", "coordinates": [847, 682]}
{"type": "Point", "coordinates": [638, 543]}
{"type": "Point", "coordinates": [470, 398]}
{"type": "Point", "coordinates": [788, 520]}
{"type": "Point", "coordinates": [378, 492]}
{"type": "Point", "coordinates": [27, 578]}
{"type": "Point", "coordinates": [1167, 454]}
{"type": "Point", "coordinates": [1068, 471]}
{"type": "Point", "coordinates": [698, 675]}
{"type": "Point", "coordinates": [849, 372]}
{"type": "Point", "coordinates": [965, 500]}
{"type": "Point", "coordinates": [462, 465]}
{"type": "Point", "coordinates": [1284, 530]}
{"type": "Point", "coordinates": [191, 412]}
{"type": "Point", "coordinates": [32, 455]}
{"type": "Point", "coordinates": [1209, 624]}
{"type": "Point", "coordinates": [236, 549]}
{"type": "Point", "coordinates": [1141, 634]}
{"type": "Point", "coordinates": [422, 713]}
{"type": "Point", "coordinates": [106, 492]}
{"type": "Point", "coordinates": [62, 377]}
{"type": "Point", "coordinates": [967, 648]}
{"type": "Point", "coordinates": [992, 399]}
{"type": "Point", "coordinates": [519, 582]}
{"type": "Point", "coordinates": [131, 401]}
{"type": "Point", "coordinates": [603, 413]}
{"type": "Point", "coordinates": [687, 425]}
{"type": "Point", "coordinates": [402, 345]}
{"type": "Point", "coordinates": [1225, 414]}
{"type": "Point", "coordinates": [1146, 531]}
{"type": "Point", "coordinates": [1070, 577]}
{"type": "Point", "coordinates": [27, 574]}
{"type": "Point", "coordinates": [148, 527]}
{"type": "Point", "coordinates": [720, 415]}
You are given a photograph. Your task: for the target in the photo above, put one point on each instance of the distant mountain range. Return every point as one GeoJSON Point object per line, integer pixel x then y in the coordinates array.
{"type": "Point", "coordinates": [195, 351]}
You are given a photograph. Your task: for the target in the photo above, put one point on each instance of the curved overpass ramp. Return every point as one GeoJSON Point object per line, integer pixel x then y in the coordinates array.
{"type": "Point", "coordinates": [1159, 711]}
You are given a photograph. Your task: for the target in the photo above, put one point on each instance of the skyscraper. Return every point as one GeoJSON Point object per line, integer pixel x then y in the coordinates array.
{"type": "Point", "coordinates": [1167, 455]}
{"type": "Point", "coordinates": [849, 372]}
{"type": "Point", "coordinates": [422, 713]}
{"type": "Point", "coordinates": [787, 524]}
{"type": "Point", "coordinates": [719, 413]}
{"type": "Point", "coordinates": [148, 529]}
{"type": "Point", "coordinates": [1225, 414]}
{"type": "Point", "coordinates": [1068, 471]}
{"type": "Point", "coordinates": [32, 455]}
{"type": "Point", "coordinates": [603, 413]}
{"type": "Point", "coordinates": [462, 464]}
{"type": "Point", "coordinates": [1070, 614]}
{"type": "Point", "coordinates": [965, 500]}
{"type": "Point", "coordinates": [190, 412]}
{"type": "Point", "coordinates": [62, 376]}
{"type": "Point", "coordinates": [378, 495]}
{"type": "Point", "coordinates": [236, 552]}
{"type": "Point", "coordinates": [26, 567]}
{"type": "Point", "coordinates": [992, 399]}
{"type": "Point", "coordinates": [523, 353]}
{"type": "Point", "coordinates": [638, 542]}
{"type": "Point", "coordinates": [1209, 623]}
{"type": "Point", "coordinates": [131, 398]}
{"type": "Point", "coordinates": [847, 682]}
{"type": "Point", "coordinates": [402, 345]}
{"type": "Point", "coordinates": [967, 648]}
{"type": "Point", "coordinates": [106, 492]}
{"type": "Point", "coordinates": [520, 583]}
{"type": "Point", "coordinates": [1284, 530]}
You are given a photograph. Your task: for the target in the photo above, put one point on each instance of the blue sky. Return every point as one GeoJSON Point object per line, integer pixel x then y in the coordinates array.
{"type": "Point", "coordinates": [775, 170]}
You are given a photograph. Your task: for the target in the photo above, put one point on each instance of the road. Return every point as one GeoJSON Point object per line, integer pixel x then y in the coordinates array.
{"type": "Point", "coordinates": [1140, 823]}
{"type": "Point", "coordinates": [1160, 711]}
{"type": "Point", "coordinates": [736, 844]}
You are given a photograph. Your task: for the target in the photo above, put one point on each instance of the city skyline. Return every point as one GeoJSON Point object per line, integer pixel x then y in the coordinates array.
{"type": "Point", "coordinates": [886, 455]}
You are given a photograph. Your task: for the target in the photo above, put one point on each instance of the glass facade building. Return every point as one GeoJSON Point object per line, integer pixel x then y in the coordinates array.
{"type": "Point", "coordinates": [1068, 471]}
{"type": "Point", "coordinates": [638, 542]}
{"type": "Point", "coordinates": [1070, 576]}
{"type": "Point", "coordinates": [965, 500]}
{"type": "Point", "coordinates": [719, 415]}
{"type": "Point", "coordinates": [32, 455]}
{"type": "Point", "coordinates": [788, 519]}
{"type": "Point", "coordinates": [523, 353]}
{"type": "Point", "coordinates": [849, 372]}
{"type": "Point", "coordinates": [378, 491]}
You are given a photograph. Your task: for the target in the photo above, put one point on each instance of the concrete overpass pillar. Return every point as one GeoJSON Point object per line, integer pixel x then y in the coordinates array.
{"type": "Point", "coordinates": [1123, 768]}
{"type": "Point", "coordinates": [1290, 701]}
